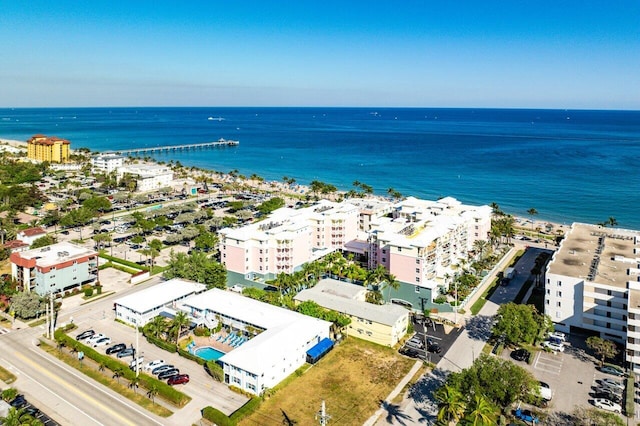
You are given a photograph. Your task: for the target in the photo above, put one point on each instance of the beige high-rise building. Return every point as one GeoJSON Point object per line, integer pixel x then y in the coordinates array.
{"type": "Point", "coordinates": [51, 149]}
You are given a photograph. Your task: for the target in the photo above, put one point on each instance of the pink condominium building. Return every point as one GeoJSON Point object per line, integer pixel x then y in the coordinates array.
{"type": "Point", "coordinates": [287, 239]}
{"type": "Point", "coordinates": [422, 240]}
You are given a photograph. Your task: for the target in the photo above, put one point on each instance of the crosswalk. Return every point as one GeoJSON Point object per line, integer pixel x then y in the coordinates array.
{"type": "Point", "coordinates": [4, 331]}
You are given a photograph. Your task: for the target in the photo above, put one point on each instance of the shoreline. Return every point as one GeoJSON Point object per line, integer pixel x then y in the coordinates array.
{"type": "Point", "coordinates": [281, 188]}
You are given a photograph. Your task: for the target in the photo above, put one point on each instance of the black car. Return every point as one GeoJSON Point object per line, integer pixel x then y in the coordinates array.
{"type": "Point", "coordinates": [608, 395]}
{"type": "Point", "coordinates": [126, 352]}
{"type": "Point", "coordinates": [521, 355]}
{"type": "Point", "coordinates": [85, 334]}
{"type": "Point", "coordinates": [412, 353]}
{"type": "Point", "coordinates": [434, 348]}
{"type": "Point", "coordinates": [115, 348]}
{"type": "Point", "coordinates": [168, 373]}
{"type": "Point", "coordinates": [18, 401]}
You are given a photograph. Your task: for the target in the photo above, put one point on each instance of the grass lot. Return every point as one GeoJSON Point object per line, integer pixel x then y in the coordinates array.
{"type": "Point", "coordinates": [351, 379]}
{"type": "Point", "coordinates": [7, 376]}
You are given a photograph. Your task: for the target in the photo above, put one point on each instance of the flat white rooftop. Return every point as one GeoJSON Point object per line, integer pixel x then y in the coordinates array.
{"type": "Point", "coordinates": [57, 253]}
{"type": "Point", "coordinates": [159, 295]}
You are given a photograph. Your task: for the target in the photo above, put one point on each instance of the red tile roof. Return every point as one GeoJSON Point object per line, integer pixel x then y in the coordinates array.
{"type": "Point", "coordinates": [30, 232]}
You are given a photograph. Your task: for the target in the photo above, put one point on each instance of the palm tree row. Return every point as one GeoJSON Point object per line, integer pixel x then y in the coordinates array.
{"type": "Point", "coordinates": [160, 328]}
{"type": "Point", "coordinates": [454, 408]}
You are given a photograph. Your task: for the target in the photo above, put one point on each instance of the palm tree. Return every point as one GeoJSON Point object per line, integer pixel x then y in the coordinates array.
{"type": "Point", "coordinates": [481, 412]}
{"type": "Point", "coordinates": [157, 326]}
{"type": "Point", "coordinates": [481, 246]}
{"type": "Point", "coordinates": [117, 373]}
{"type": "Point", "coordinates": [152, 392]}
{"type": "Point", "coordinates": [532, 212]}
{"type": "Point", "coordinates": [13, 417]}
{"type": "Point", "coordinates": [133, 383]}
{"type": "Point", "coordinates": [180, 320]}
{"type": "Point", "coordinates": [375, 277]}
{"type": "Point", "coordinates": [392, 283]}
{"type": "Point", "coordinates": [450, 404]}
{"type": "Point", "coordinates": [612, 221]}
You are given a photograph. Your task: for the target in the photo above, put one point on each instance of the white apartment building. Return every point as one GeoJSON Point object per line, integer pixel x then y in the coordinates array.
{"type": "Point", "coordinates": [107, 163]}
{"type": "Point", "coordinates": [278, 339]}
{"type": "Point", "coordinates": [288, 239]}
{"type": "Point", "coordinates": [593, 284]}
{"type": "Point", "coordinates": [149, 177]}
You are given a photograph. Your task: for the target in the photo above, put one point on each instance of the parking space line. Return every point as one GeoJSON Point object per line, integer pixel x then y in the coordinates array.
{"type": "Point", "coordinates": [545, 363]}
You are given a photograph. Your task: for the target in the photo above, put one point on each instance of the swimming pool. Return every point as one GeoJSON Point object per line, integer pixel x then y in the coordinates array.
{"type": "Point", "coordinates": [208, 353]}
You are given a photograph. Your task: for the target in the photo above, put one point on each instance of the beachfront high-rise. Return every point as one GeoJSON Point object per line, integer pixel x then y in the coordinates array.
{"type": "Point", "coordinates": [593, 285]}
{"type": "Point", "coordinates": [423, 242]}
{"type": "Point", "coordinates": [286, 240]}
{"type": "Point", "coordinates": [45, 148]}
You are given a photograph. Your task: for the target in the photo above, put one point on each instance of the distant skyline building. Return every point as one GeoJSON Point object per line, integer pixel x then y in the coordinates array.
{"type": "Point", "coordinates": [45, 148]}
{"type": "Point", "coordinates": [107, 163]}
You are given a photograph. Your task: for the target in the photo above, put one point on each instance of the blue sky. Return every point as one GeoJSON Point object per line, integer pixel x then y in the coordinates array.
{"type": "Point", "coordinates": [522, 54]}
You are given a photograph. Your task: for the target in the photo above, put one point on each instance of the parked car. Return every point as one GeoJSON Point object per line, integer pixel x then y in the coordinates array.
{"type": "Point", "coordinates": [545, 391]}
{"type": "Point", "coordinates": [558, 335]}
{"type": "Point", "coordinates": [130, 351]}
{"type": "Point", "coordinates": [609, 369]}
{"type": "Point", "coordinates": [91, 340]}
{"type": "Point", "coordinates": [605, 394]}
{"type": "Point", "coordinates": [434, 347]}
{"type": "Point", "coordinates": [602, 387]}
{"type": "Point", "coordinates": [85, 334]}
{"type": "Point", "coordinates": [168, 373]}
{"type": "Point", "coordinates": [521, 355]}
{"type": "Point", "coordinates": [154, 364]}
{"type": "Point", "coordinates": [102, 342]}
{"type": "Point", "coordinates": [413, 353]}
{"type": "Point", "coordinates": [526, 416]}
{"type": "Point", "coordinates": [162, 369]}
{"type": "Point", "coordinates": [18, 401]}
{"type": "Point", "coordinates": [608, 405]}
{"type": "Point", "coordinates": [555, 347]}
{"type": "Point", "coordinates": [612, 383]}
{"type": "Point", "coordinates": [115, 348]}
{"type": "Point", "coordinates": [178, 380]}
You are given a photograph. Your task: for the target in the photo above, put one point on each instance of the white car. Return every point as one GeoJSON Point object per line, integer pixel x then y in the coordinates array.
{"type": "Point", "coordinates": [556, 347]}
{"type": "Point", "coordinates": [93, 339]}
{"type": "Point", "coordinates": [545, 391]}
{"type": "Point", "coordinates": [558, 335]}
{"type": "Point", "coordinates": [605, 404]}
{"type": "Point", "coordinates": [102, 342]}
{"type": "Point", "coordinates": [153, 364]}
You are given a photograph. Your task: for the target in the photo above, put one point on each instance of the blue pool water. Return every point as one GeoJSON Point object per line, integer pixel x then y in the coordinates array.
{"type": "Point", "coordinates": [208, 353]}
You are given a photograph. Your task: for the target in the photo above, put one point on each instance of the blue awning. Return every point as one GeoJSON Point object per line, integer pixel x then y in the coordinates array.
{"type": "Point", "coordinates": [321, 348]}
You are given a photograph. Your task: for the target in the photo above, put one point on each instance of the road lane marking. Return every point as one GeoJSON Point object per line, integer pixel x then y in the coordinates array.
{"type": "Point", "coordinates": [93, 383]}
{"type": "Point", "coordinates": [47, 389]}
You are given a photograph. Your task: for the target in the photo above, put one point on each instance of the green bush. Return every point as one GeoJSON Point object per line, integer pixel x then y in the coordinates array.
{"type": "Point", "coordinates": [88, 292]}
{"type": "Point", "coordinates": [217, 417]}
{"type": "Point", "coordinates": [214, 370]}
{"type": "Point", "coordinates": [192, 357]}
{"type": "Point", "coordinates": [201, 331]}
{"type": "Point", "coordinates": [170, 347]}
{"type": "Point", "coordinates": [246, 410]}
{"type": "Point", "coordinates": [440, 300]}
{"type": "Point", "coordinates": [134, 265]}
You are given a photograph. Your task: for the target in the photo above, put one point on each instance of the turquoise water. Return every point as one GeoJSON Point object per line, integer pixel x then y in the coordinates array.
{"type": "Point", "coordinates": [208, 353]}
{"type": "Point", "coordinates": [568, 165]}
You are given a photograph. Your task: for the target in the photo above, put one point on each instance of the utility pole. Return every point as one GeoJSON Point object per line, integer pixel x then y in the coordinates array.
{"type": "Point", "coordinates": [53, 315]}
{"type": "Point", "coordinates": [46, 316]}
{"type": "Point", "coordinates": [323, 416]}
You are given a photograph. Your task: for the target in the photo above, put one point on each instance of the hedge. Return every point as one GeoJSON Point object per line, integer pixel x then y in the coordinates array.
{"type": "Point", "coordinates": [124, 262]}
{"type": "Point", "coordinates": [164, 390]}
{"type": "Point", "coordinates": [170, 347]}
{"type": "Point", "coordinates": [217, 417]}
{"type": "Point", "coordinates": [190, 356]}
{"type": "Point", "coordinates": [246, 410]}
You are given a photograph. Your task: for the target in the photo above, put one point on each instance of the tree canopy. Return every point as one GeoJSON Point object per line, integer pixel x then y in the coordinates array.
{"type": "Point", "coordinates": [271, 205]}
{"type": "Point", "coordinates": [603, 348]}
{"type": "Point", "coordinates": [27, 304]}
{"type": "Point", "coordinates": [520, 323]}
{"type": "Point", "coordinates": [197, 267]}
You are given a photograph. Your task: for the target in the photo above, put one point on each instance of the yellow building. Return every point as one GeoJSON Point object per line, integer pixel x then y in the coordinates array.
{"type": "Point", "coordinates": [51, 149]}
{"type": "Point", "coordinates": [381, 324]}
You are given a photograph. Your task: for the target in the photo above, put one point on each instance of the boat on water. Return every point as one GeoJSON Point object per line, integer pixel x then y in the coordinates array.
{"type": "Point", "coordinates": [215, 118]}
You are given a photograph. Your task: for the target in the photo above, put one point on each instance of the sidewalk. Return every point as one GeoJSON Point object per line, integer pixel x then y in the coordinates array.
{"type": "Point", "coordinates": [395, 392]}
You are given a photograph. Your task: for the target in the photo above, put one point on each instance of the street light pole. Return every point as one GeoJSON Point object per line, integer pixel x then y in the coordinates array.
{"type": "Point", "coordinates": [137, 353]}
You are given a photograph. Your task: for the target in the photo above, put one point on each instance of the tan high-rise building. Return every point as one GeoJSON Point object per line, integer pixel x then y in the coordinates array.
{"type": "Point", "coordinates": [51, 149]}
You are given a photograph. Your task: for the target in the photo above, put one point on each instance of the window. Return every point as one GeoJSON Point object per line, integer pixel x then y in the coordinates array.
{"type": "Point", "coordinates": [417, 261]}
{"type": "Point", "coordinates": [417, 289]}
{"type": "Point", "coordinates": [417, 270]}
{"type": "Point", "coordinates": [548, 291]}
{"type": "Point", "coordinates": [547, 301]}
{"type": "Point", "coordinates": [557, 314]}
{"type": "Point", "coordinates": [399, 248]}
{"type": "Point", "coordinates": [384, 251]}
{"type": "Point", "coordinates": [558, 304]}
{"type": "Point", "coordinates": [558, 293]}
{"type": "Point", "coordinates": [559, 283]}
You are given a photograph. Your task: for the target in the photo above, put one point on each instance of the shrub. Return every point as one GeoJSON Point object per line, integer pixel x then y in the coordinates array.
{"type": "Point", "coordinates": [201, 331]}
{"type": "Point", "coordinates": [192, 357]}
{"type": "Point", "coordinates": [214, 370]}
{"type": "Point", "coordinates": [170, 347]}
{"type": "Point", "coordinates": [88, 292]}
{"type": "Point", "coordinates": [9, 394]}
{"type": "Point", "coordinates": [440, 300]}
{"type": "Point", "coordinates": [99, 289]}
{"type": "Point", "coordinates": [216, 416]}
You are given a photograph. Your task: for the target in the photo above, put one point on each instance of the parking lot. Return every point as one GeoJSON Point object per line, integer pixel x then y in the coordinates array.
{"type": "Point", "coordinates": [201, 387]}
{"type": "Point", "coordinates": [572, 376]}
{"type": "Point", "coordinates": [439, 335]}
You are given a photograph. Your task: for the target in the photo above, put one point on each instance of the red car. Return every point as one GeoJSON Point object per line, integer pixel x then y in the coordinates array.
{"type": "Point", "coordinates": [180, 379]}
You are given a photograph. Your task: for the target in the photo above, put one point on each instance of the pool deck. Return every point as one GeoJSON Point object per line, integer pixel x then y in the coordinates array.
{"type": "Point", "coordinates": [212, 342]}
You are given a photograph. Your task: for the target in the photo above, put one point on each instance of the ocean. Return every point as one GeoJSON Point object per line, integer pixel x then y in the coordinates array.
{"type": "Point", "coordinates": [568, 165]}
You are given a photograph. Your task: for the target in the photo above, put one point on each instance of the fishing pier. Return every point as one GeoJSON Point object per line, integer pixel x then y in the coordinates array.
{"type": "Point", "coordinates": [185, 147]}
